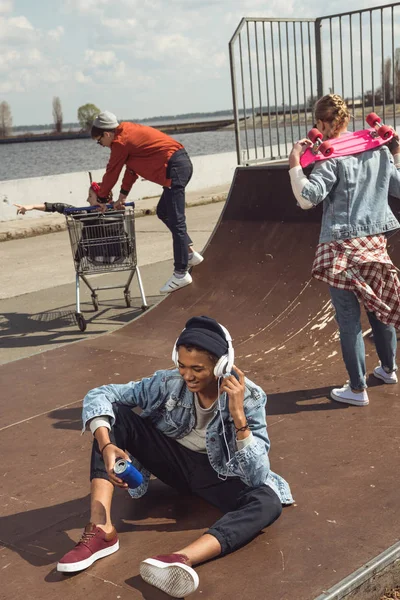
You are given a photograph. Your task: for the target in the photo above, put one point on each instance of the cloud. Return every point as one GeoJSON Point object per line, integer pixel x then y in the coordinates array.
{"type": "Point", "coordinates": [86, 6]}
{"type": "Point", "coordinates": [104, 58]}
{"type": "Point", "coordinates": [141, 57]}
{"type": "Point", "coordinates": [57, 33]}
{"type": "Point", "coordinates": [16, 30]}
{"type": "Point", "coordinates": [80, 77]}
{"type": "Point", "coordinates": [119, 26]}
{"type": "Point", "coordinates": [6, 6]}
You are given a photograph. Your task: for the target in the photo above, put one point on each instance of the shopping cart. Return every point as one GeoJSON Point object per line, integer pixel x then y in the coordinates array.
{"type": "Point", "coordinates": [103, 243]}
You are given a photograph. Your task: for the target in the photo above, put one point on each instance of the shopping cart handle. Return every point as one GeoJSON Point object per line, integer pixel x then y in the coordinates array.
{"type": "Point", "coordinates": [74, 209]}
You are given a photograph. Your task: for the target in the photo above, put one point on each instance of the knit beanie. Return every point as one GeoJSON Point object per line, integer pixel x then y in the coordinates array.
{"type": "Point", "coordinates": [205, 333]}
{"type": "Point", "coordinates": [106, 120]}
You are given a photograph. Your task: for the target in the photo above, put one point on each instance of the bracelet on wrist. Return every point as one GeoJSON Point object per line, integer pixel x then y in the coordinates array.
{"type": "Point", "coordinates": [242, 428]}
{"type": "Point", "coordinates": [105, 446]}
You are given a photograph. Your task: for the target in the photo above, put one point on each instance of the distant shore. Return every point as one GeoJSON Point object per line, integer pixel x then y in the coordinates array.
{"type": "Point", "coordinates": [73, 135]}
{"type": "Point", "coordinates": [297, 117]}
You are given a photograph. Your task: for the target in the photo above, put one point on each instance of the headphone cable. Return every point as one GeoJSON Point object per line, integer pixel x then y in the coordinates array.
{"type": "Point", "coordinates": [223, 477]}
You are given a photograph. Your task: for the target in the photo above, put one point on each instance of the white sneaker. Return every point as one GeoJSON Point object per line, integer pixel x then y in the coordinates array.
{"type": "Point", "coordinates": [346, 395]}
{"type": "Point", "coordinates": [196, 259]}
{"type": "Point", "coordinates": [171, 574]}
{"type": "Point", "coordinates": [174, 283]}
{"type": "Point", "coordinates": [380, 373]}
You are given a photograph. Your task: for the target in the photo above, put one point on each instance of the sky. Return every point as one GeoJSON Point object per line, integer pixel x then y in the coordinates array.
{"type": "Point", "coordinates": [136, 58]}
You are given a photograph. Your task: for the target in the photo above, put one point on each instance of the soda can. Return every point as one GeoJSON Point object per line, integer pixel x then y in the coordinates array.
{"type": "Point", "coordinates": [128, 473]}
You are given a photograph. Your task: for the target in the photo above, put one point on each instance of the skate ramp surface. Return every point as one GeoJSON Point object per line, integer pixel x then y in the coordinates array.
{"type": "Point", "coordinates": [341, 461]}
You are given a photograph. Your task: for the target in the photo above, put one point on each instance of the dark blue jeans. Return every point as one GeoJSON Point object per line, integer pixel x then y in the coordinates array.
{"type": "Point", "coordinates": [246, 510]}
{"type": "Point", "coordinates": [171, 206]}
{"type": "Point", "coordinates": [348, 317]}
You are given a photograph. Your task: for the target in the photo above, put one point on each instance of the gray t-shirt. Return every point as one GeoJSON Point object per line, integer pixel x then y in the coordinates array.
{"type": "Point", "coordinates": [196, 439]}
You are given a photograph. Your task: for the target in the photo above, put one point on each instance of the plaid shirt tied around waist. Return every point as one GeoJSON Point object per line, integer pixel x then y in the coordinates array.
{"type": "Point", "coordinates": [363, 266]}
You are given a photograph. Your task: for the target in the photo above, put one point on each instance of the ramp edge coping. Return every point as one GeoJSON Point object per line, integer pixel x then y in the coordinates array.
{"type": "Point", "coordinates": [363, 574]}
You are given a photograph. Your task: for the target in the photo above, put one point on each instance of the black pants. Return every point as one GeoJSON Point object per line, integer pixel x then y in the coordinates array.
{"type": "Point", "coordinates": [247, 510]}
{"type": "Point", "coordinates": [171, 206]}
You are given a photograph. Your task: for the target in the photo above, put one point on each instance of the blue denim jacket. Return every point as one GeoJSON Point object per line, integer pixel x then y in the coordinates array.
{"type": "Point", "coordinates": [355, 192]}
{"type": "Point", "coordinates": [165, 399]}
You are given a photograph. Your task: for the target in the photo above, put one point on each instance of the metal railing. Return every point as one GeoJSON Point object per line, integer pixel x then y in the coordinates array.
{"type": "Point", "coordinates": [279, 67]}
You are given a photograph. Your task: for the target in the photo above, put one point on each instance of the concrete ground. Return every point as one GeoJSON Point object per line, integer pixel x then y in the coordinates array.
{"type": "Point", "coordinates": [37, 292]}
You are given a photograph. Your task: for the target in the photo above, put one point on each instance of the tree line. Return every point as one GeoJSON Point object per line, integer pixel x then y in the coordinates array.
{"type": "Point", "coordinates": [86, 115]}
{"type": "Point", "coordinates": [389, 90]}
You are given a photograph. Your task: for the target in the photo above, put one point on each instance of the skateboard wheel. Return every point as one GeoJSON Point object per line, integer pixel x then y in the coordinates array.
{"type": "Point", "coordinates": [326, 148]}
{"type": "Point", "coordinates": [385, 132]}
{"type": "Point", "coordinates": [314, 135]}
{"type": "Point", "coordinates": [373, 119]}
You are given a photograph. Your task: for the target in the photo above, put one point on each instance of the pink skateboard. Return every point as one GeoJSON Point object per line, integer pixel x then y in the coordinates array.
{"type": "Point", "coordinates": [348, 143]}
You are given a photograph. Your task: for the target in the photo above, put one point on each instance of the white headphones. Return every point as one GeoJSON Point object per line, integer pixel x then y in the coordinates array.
{"type": "Point", "coordinates": [225, 363]}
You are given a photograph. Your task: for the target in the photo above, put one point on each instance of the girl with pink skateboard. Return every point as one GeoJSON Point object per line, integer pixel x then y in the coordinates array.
{"type": "Point", "coordinates": [351, 255]}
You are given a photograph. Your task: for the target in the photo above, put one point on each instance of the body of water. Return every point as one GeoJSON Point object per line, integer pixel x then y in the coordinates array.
{"type": "Point", "coordinates": [35, 159]}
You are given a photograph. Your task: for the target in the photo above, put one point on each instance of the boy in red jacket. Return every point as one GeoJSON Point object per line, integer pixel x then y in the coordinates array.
{"type": "Point", "coordinates": [153, 155]}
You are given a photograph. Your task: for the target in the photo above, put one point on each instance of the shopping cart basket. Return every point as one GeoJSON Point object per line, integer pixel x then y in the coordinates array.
{"type": "Point", "coordinates": [103, 243]}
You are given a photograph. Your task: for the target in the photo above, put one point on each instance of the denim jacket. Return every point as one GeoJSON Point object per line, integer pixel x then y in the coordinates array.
{"type": "Point", "coordinates": [165, 399]}
{"type": "Point", "coordinates": [355, 192]}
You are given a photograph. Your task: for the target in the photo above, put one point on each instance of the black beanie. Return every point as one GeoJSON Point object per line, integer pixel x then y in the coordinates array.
{"type": "Point", "coordinates": [204, 333]}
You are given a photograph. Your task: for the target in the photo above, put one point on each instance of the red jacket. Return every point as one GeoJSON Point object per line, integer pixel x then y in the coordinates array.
{"type": "Point", "coordinates": [144, 150]}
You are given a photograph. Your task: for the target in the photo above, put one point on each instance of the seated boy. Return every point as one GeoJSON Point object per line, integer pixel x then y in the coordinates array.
{"type": "Point", "coordinates": [202, 430]}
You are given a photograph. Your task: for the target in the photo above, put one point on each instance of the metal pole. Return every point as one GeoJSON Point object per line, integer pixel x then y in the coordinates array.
{"type": "Point", "coordinates": [383, 70]}
{"type": "Point", "coordinates": [362, 70]}
{"type": "Point", "coordinates": [318, 57]}
{"type": "Point", "coordinates": [243, 95]}
{"type": "Point", "coordinates": [289, 85]}
{"type": "Point", "coordinates": [393, 70]}
{"type": "Point", "coordinates": [283, 88]}
{"type": "Point", "coordinates": [234, 100]}
{"type": "Point", "coordinates": [251, 89]}
{"type": "Point", "coordinates": [276, 100]}
{"type": "Point", "coordinates": [304, 79]}
{"type": "Point", "coordinates": [267, 88]}
{"type": "Point", "coordinates": [259, 89]}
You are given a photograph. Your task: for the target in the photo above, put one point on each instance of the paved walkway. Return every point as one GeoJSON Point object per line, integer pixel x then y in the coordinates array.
{"type": "Point", "coordinates": [37, 292]}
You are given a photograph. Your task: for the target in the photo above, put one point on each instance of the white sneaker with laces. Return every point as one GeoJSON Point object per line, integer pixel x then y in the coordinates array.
{"type": "Point", "coordinates": [380, 373]}
{"type": "Point", "coordinates": [346, 395]}
{"type": "Point", "coordinates": [196, 259]}
{"type": "Point", "coordinates": [175, 283]}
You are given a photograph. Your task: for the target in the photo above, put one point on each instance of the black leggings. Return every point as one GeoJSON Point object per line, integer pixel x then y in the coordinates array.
{"type": "Point", "coordinates": [247, 510]}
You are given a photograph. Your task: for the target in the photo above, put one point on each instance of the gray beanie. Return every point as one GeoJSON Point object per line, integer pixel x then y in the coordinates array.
{"type": "Point", "coordinates": [106, 120]}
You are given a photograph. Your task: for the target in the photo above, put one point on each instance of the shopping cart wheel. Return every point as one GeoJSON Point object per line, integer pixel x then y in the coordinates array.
{"type": "Point", "coordinates": [80, 319]}
{"type": "Point", "coordinates": [95, 301]}
{"type": "Point", "coordinates": [127, 298]}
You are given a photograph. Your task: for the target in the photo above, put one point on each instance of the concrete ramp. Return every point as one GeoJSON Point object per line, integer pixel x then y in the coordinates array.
{"type": "Point", "coordinates": [341, 461]}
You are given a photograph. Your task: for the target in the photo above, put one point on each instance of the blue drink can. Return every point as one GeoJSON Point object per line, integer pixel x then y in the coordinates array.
{"type": "Point", "coordinates": [128, 473]}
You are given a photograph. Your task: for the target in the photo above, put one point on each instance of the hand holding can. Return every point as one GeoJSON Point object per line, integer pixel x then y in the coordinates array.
{"type": "Point", "coordinates": [128, 473]}
{"type": "Point", "coordinates": [111, 454]}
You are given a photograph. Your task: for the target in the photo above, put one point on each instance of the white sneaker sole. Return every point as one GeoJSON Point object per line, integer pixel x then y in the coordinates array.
{"type": "Point", "coordinates": [84, 564]}
{"type": "Point", "coordinates": [351, 401]}
{"type": "Point", "coordinates": [176, 579]}
{"type": "Point", "coordinates": [382, 378]}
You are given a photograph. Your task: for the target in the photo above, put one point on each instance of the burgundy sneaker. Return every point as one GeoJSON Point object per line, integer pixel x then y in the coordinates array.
{"type": "Point", "coordinates": [94, 544]}
{"type": "Point", "coordinates": [171, 574]}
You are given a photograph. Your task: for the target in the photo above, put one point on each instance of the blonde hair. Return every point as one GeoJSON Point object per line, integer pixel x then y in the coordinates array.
{"type": "Point", "coordinates": [332, 109]}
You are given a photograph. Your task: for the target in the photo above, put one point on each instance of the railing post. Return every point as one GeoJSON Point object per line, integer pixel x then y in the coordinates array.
{"type": "Point", "coordinates": [318, 57]}
{"type": "Point", "coordinates": [234, 94]}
